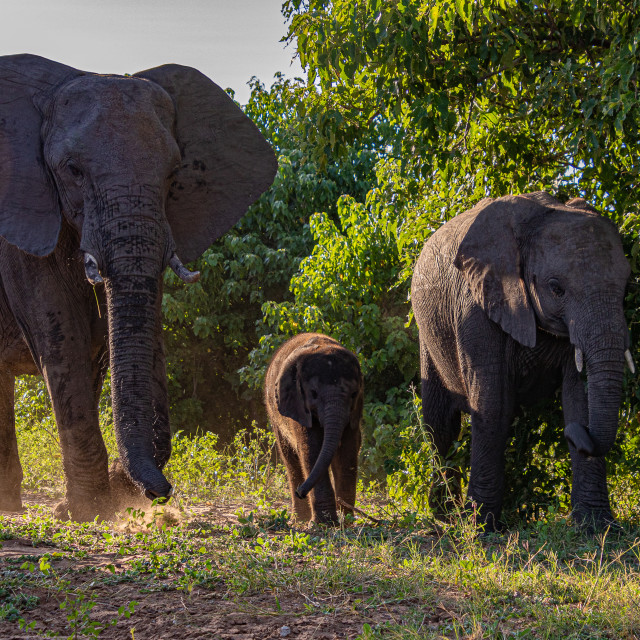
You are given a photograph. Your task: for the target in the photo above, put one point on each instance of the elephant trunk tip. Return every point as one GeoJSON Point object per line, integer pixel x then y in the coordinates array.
{"type": "Point", "coordinates": [160, 498]}
{"type": "Point", "coordinates": [579, 437]}
{"type": "Point", "coordinates": [149, 479]}
{"type": "Point", "coordinates": [303, 490]}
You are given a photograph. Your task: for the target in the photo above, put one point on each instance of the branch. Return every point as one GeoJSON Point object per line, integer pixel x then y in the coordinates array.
{"type": "Point", "coordinates": [346, 505]}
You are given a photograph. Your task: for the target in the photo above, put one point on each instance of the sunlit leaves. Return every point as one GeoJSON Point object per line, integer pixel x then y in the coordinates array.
{"type": "Point", "coordinates": [559, 80]}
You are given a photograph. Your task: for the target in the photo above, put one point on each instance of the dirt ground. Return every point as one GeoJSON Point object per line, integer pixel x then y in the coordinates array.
{"type": "Point", "coordinates": [204, 613]}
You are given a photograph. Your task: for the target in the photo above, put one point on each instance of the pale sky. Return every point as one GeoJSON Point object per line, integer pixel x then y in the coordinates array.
{"type": "Point", "coordinates": [228, 40]}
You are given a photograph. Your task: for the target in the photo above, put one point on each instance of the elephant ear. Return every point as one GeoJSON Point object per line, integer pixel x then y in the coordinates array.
{"type": "Point", "coordinates": [356, 411]}
{"type": "Point", "coordinates": [29, 207]}
{"type": "Point", "coordinates": [226, 162]}
{"type": "Point", "coordinates": [289, 393]}
{"type": "Point", "coordinates": [490, 260]}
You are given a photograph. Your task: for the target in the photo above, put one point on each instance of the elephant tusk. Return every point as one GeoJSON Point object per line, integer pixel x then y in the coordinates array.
{"type": "Point", "coordinates": [579, 360]}
{"type": "Point", "coordinates": [629, 359]}
{"type": "Point", "coordinates": [91, 269]}
{"type": "Point", "coordinates": [182, 272]}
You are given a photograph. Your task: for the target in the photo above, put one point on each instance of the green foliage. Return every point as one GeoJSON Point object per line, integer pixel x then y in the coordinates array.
{"type": "Point", "coordinates": [201, 470]}
{"type": "Point", "coordinates": [414, 467]}
{"type": "Point", "coordinates": [514, 93]}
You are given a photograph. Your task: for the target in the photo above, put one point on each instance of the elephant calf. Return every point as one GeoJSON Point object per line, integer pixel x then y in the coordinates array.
{"type": "Point", "coordinates": [314, 394]}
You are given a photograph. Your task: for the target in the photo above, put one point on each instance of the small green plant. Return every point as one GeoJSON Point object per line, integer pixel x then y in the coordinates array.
{"type": "Point", "coordinates": [77, 605]}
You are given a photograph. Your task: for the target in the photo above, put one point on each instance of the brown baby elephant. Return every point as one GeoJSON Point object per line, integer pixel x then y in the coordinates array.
{"type": "Point", "coordinates": [314, 394]}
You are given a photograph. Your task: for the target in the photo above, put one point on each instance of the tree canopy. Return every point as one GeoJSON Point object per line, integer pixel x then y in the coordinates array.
{"type": "Point", "coordinates": [517, 93]}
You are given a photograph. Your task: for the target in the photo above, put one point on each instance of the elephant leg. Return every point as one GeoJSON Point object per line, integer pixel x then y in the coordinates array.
{"type": "Point", "coordinates": [344, 468]}
{"type": "Point", "coordinates": [489, 434]}
{"type": "Point", "coordinates": [84, 455]}
{"type": "Point", "coordinates": [300, 507]}
{"type": "Point", "coordinates": [10, 469]}
{"type": "Point", "coordinates": [442, 421]}
{"type": "Point", "coordinates": [589, 493]}
{"type": "Point", "coordinates": [590, 504]}
{"type": "Point", "coordinates": [62, 338]}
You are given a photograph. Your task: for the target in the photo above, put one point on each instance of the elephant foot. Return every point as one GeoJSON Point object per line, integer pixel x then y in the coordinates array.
{"type": "Point", "coordinates": [11, 503]}
{"type": "Point", "coordinates": [492, 526]}
{"type": "Point", "coordinates": [84, 509]}
{"type": "Point", "coordinates": [593, 521]}
{"type": "Point", "coordinates": [326, 517]}
{"type": "Point", "coordinates": [125, 493]}
{"type": "Point", "coordinates": [486, 520]}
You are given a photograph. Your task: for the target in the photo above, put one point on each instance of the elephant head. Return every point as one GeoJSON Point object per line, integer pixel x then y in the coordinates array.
{"type": "Point", "coordinates": [321, 387]}
{"type": "Point", "coordinates": [533, 263]}
{"type": "Point", "coordinates": [144, 169]}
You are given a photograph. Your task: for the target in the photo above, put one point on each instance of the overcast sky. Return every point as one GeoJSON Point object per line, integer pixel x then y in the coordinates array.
{"type": "Point", "coordinates": [228, 40]}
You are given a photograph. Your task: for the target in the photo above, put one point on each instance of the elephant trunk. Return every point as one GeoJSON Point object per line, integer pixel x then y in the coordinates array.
{"type": "Point", "coordinates": [135, 241]}
{"type": "Point", "coordinates": [334, 420]}
{"type": "Point", "coordinates": [133, 307]}
{"type": "Point", "coordinates": [605, 369]}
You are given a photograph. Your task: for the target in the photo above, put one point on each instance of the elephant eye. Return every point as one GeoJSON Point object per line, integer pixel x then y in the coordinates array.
{"type": "Point", "coordinates": [353, 395]}
{"type": "Point", "coordinates": [74, 170]}
{"type": "Point", "coordinates": [314, 395]}
{"type": "Point", "coordinates": [556, 288]}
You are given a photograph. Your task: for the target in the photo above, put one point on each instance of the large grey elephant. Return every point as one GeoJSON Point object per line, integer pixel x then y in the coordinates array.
{"type": "Point", "coordinates": [314, 396]}
{"type": "Point", "coordinates": [106, 180]}
{"type": "Point", "coordinates": [512, 299]}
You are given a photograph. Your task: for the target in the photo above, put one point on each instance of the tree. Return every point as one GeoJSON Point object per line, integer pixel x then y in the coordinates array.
{"type": "Point", "coordinates": [517, 93]}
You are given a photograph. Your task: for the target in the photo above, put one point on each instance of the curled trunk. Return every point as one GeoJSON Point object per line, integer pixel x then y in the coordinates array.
{"type": "Point", "coordinates": [334, 423]}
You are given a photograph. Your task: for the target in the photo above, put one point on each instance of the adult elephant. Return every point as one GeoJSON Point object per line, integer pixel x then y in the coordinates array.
{"type": "Point", "coordinates": [107, 179]}
{"type": "Point", "coordinates": [511, 298]}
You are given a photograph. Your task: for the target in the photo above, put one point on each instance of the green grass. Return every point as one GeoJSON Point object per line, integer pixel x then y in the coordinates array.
{"type": "Point", "coordinates": [402, 577]}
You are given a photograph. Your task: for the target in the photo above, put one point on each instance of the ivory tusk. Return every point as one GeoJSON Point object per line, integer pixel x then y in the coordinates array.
{"type": "Point", "coordinates": [629, 359]}
{"type": "Point", "coordinates": [579, 360]}
{"type": "Point", "coordinates": [182, 272]}
{"type": "Point", "coordinates": [91, 269]}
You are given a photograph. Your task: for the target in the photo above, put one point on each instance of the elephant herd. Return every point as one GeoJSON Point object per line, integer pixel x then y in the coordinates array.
{"type": "Point", "coordinates": [109, 179]}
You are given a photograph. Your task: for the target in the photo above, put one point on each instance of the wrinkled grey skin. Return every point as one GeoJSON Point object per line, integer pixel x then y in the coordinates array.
{"type": "Point", "coordinates": [503, 296]}
{"type": "Point", "coordinates": [108, 179]}
{"type": "Point", "coordinates": [314, 395]}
